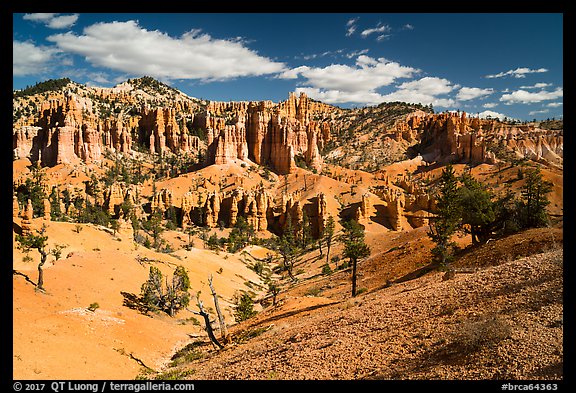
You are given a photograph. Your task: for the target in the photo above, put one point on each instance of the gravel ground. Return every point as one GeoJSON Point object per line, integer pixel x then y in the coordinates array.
{"type": "Point", "coordinates": [501, 322]}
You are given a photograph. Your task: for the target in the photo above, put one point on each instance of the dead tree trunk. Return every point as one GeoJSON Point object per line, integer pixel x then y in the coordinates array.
{"type": "Point", "coordinates": [223, 330]}
{"type": "Point", "coordinates": [207, 322]}
{"type": "Point", "coordinates": [43, 256]}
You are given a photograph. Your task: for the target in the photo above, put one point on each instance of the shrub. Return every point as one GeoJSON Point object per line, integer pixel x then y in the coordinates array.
{"type": "Point", "coordinates": [488, 330]}
{"type": "Point", "coordinates": [326, 269]}
{"type": "Point", "coordinates": [171, 297]}
{"type": "Point", "coordinates": [244, 307]}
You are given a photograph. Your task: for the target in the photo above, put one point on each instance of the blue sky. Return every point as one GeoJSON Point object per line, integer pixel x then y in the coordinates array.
{"type": "Point", "coordinates": [492, 64]}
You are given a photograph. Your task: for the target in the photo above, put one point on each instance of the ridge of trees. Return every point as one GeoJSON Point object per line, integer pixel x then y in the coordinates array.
{"type": "Point", "coordinates": [42, 87]}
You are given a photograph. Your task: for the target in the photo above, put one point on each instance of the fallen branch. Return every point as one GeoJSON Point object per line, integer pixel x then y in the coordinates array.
{"type": "Point", "coordinates": [131, 356]}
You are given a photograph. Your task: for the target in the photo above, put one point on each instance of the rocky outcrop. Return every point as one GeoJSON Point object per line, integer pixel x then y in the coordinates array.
{"type": "Point", "coordinates": [364, 211]}
{"type": "Point", "coordinates": [26, 142]}
{"type": "Point", "coordinates": [317, 215]}
{"type": "Point", "coordinates": [186, 208]}
{"type": "Point", "coordinates": [125, 228]}
{"type": "Point", "coordinates": [256, 205]}
{"type": "Point", "coordinates": [212, 210]}
{"type": "Point", "coordinates": [113, 197]}
{"type": "Point", "coordinates": [267, 134]}
{"type": "Point", "coordinates": [453, 136]}
{"type": "Point", "coordinates": [15, 206]}
{"type": "Point", "coordinates": [234, 209]}
{"type": "Point", "coordinates": [161, 132]}
{"type": "Point", "coordinates": [395, 214]}
{"type": "Point", "coordinates": [47, 209]}
{"type": "Point", "coordinates": [162, 200]}
{"type": "Point", "coordinates": [27, 216]}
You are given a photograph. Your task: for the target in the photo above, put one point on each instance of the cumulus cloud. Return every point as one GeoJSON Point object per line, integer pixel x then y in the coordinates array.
{"type": "Point", "coordinates": [429, 85]}
{"type": "Point", "coordinates": [340, 97]}
{"type": "Point", "coordinates": [52, 20]}
{"type": "Point", "coordinates": [526, 97]}
{"type": "Point", "coordinates": [408, 26]}
{"type": "Point", "coordinates": [424, 91]}
{"type": "Point", "coordinates": [428, 90]}
{"type": "Point", "coordinates": [29, 59]}
{"type": "Point", "coordinates": [517, 73]}
{"type": "Point", "coordinates": [490, 105]}
{"type": "Point", "coordinates": [470, 93]}
{"type": "Point", "coordinates": [339, 83]}
{"type": "Point", "coordinates": [492, 114]}
{"type": "Point", "coordinates": [129, 48]}
{"type": "Point", "coordinates": [366, 75]}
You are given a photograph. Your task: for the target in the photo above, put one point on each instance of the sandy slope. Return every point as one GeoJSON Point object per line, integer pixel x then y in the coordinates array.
{"type": "Point", "coordinates": [55, 337]}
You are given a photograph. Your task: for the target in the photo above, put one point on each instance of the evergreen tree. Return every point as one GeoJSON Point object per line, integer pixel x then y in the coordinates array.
{"type": "Point", "coordinates": [355, 248]}
{"type": "Point", "coordinates": [328, 236]}
{"type": "Point", "coordinates": [288, 248]}
{"type": "Point", "coordinates": [155, 228]}
{"type": "Point", "coordinates": [532, 206]}
{"type": "Point", "coordinates": [448, 217]}
{"type": "Point", "coordinates": [477, 207]}
{"type": "Point", "coordinates": [169, 297]}
{"type": "Point", "coordinates": [33, 189]}
{"type": "Point", "coordinates": [56, 214]}
{"type": "Point", "coordinates": [37, 241]}
{"type": "Point", "coordinates": [244, 307]}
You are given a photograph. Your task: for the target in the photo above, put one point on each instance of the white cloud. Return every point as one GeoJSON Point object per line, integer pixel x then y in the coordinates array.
{"type": "Point", "coordinates": [39, 17]}
{"type": "Point", "coordinates": [323, 54]}
{"type": "Point", "coordinates": [537, 86]}
{"type": "Point", "coordinates": [351, 26]}
{"type": "Point", "coordinates": [127, 47]}
{"type": "Point", "coordinates": [517, 73]}
{"type": "Point", "coordinates": [408, 26]}
{"type": "Point", "coordinates": [29, 59]}
{"type": "Point", "coordinates": [338, 83]}
{"type": "Point", "coordinates": [340, 97]}
{"type": "Point", "coordinates": [531, 113]}
{"type": "Point", "coordinates": [470, 93]}
{"type": "Point", "coordinates": [526, 97]}
{"type": "Point", "coordinates": [357, 53]}
{"type": "Point", "coordinates": [554, 104]}
{"type": "Point", "coordinates": [492, 114]}
{"type": "Point", "coordinates": [52, 20]}
{"type": "Point", "coordinates": [378, 29]}
{"type": "Point", "coordinates": [490, 105]}
{"type": "Point", "coordinates": [367, 75]}
{"type": "Point", "coordinates": [429, 85]}
{"type": "Point", "coordinates": [427, 90]}
{"type": "Point", "coordinates": [383, 37]}
{"type": "Point", "coordinates": [352, 21]}
{"type": "Point", "coordinates": [424, 91]}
